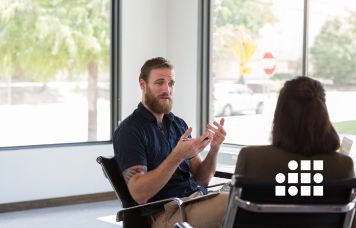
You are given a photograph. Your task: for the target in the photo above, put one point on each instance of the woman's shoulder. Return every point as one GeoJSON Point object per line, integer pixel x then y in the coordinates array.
{"type": "Point", "coordinates": [263, 153]}
{"type": "Point", "coordinates": [261, 149]}
{"type": "Point", "coordinates": [337, 165]}
{"type": "Point", "coordinates": [335, 156]}
{"type": "Point", "coordinates": [338, 158]}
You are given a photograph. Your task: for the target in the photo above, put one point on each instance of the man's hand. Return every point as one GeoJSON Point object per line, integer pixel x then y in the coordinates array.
{"type": "Point", "coordinates": [219, 133]}
{"type": "Point", "coordinates": [203, 171]}
{"type": "Point", "coordinates": [187, 148]}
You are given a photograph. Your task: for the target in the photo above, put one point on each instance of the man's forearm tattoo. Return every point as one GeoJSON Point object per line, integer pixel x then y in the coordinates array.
{"type": "Point", "coordinates": [132, 171]}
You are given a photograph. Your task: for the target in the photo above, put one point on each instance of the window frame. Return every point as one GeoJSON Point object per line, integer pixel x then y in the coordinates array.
{"type": "Point", "coordinates": [115, 83]}
{"type": "Point", "coordinates": [206, 64]}
{"type": "Point", "coordinates": [205, 61]}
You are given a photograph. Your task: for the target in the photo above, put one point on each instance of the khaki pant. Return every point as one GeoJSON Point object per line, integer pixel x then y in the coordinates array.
{"type": "Point", "coordinates": [205, 213]}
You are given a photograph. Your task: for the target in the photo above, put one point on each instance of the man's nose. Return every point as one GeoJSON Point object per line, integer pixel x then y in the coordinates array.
{"type": "Point", "coordinates": [167, 89]}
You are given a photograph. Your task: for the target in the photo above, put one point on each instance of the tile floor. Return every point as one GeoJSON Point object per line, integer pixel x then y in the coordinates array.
{"type": "Point", "coordinates": [89, 215]}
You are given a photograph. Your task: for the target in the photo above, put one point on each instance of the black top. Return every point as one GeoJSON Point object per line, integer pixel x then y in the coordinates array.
{"type": "Point", "coordinates": [140, 141]}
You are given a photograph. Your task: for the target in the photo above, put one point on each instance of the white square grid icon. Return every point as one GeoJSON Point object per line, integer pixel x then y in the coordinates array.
{"type": "Point", "coordinates": [301, 179]}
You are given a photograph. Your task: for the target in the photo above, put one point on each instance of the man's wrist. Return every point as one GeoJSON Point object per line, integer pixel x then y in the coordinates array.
{"type": "Point", "coordinates": [176, 157]}
{"type": "Point", "coordinates": [215, 149]}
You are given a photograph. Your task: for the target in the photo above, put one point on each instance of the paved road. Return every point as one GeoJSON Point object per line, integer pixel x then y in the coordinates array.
{"type": "Point", "coordinates": [67, 122]}
{"type": "Point", "coordinates": [255, 129]}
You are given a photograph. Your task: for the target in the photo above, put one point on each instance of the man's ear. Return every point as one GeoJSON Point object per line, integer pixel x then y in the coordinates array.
{"type": "Point", "coordinates": [143, 84]}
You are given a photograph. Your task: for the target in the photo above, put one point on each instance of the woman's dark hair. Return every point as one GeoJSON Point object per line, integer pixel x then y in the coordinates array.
{"type": "Point", "coordinates": [301, 121]}
{"type": "Point", "coordinates": [154, 63]}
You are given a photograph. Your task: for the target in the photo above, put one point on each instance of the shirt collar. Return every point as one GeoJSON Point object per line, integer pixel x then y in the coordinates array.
{"type": "Point", "coordinates": [149, 116]}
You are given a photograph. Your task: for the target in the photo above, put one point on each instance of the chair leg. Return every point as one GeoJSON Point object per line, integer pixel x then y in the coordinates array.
{"type": "Point", "coordinates": [349, 219]}
{"type": "Point", "coordinates": [183, 216]}
{"type": "Point", "coordinates": [231, 208]}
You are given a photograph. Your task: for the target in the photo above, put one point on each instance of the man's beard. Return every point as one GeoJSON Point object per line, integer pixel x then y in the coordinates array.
{"type": "Point", "coordinates": [154, 103]}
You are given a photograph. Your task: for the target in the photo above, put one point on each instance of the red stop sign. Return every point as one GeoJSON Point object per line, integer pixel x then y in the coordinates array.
{"type": "Point", "coordinates": [269, 63]}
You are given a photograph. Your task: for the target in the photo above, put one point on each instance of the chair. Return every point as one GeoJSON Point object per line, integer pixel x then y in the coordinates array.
{"type": "Point", "coordinates": [132, 214]}
{"type": "Point", "coordinates": [253, 204]}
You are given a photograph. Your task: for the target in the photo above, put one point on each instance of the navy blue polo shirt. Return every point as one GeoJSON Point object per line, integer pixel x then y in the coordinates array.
{"type": "Point", "coordinates": [139, 141]}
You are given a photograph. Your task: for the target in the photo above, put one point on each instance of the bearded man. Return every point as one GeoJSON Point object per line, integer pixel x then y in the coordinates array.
{"type": "Point", "coordinates": [158, 158]}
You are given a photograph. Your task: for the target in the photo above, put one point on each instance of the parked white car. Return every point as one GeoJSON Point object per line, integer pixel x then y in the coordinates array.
{"type": "Point", "coordinates": [231, 98]}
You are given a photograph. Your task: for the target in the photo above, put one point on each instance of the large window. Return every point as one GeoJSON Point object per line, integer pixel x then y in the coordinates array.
{"type": "Point", "coordinates": [332, 56]}
{"type": "Point", "coordinates": [54, 71]}
{"type": "Point", "coordinates": [257, 45]}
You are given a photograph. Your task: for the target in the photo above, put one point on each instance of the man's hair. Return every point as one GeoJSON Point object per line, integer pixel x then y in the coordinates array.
{"type": "Point", "coordinates": [301, 121]}
{"type": "Point", "coordinates": [155, 63]}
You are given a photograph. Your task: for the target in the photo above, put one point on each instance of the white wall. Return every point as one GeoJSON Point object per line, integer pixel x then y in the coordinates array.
{"type": "Point", "coordinates": [161, 28]}
{"type": "Point", "coordinates": [47, 173]}
{"type": "Point", "coordinates": [150, 28]}
{"type": "Point", "coordinates": [144, 36]}
{"type": "Point", "coordinates": [182, 51]}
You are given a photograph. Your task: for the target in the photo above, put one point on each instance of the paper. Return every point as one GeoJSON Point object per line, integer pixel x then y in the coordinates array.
{"type": "Point", "coordinates": [346, 145]}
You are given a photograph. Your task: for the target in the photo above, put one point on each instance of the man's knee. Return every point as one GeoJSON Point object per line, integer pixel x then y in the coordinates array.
{"type": "Point", "coordinates": [206, 213]}
{"type": "Point", "coordinates": [209, 211]}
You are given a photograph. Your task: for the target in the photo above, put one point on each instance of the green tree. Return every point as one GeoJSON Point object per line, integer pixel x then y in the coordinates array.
{"type": "Point", "coordinates": [250, 14]}
{"type": "Point", "coordinates": [333, 53]}
{"type": "Point", "coordinates": [44, 37]}
{"type": "Point", "coordinates": [237, 25]}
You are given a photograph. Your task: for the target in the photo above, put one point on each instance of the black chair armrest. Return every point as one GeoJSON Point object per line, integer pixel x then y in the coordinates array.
{"type": "Point", "coordinates": [295, 208]}
{"type": "Point", "coordinates": [215, 185]}
{"type": "Point", "coordinates": [120, 214]}
{"type": "Point", "coordinates": [226, 185]}
{"type": "Point", "coordinates": [224, 175]}
{"type": "Point", "coordinates": [181, 204]}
